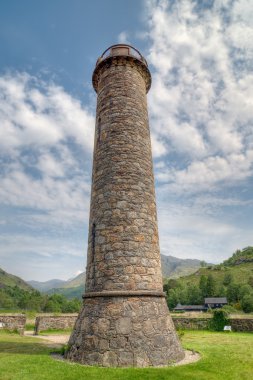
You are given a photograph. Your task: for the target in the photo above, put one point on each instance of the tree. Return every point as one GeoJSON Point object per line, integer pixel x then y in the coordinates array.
{"type": "Point", "coordinates": [194, 295]}
{"type": "Point", "coordinates": [202, 285]}
{"type": "Point", "coordinates": [228, 278]}
{"type": "Point", "coordinates": [247, 303]}
{"type": "Point", "coordinates": [233, 293]}
{"type": "Point", "coordinates": [244, 290]}
{"type": "Point", "coordinates": [210, 286]}
{"type": "Point", "coordinates": [172, 299]}
{"type": "Point", "coordinates": [250, 282]}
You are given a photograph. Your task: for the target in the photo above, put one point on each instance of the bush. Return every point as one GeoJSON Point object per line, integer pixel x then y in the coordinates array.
{"type": "Point", "coordinates": [229, 309]}
{"type": "Point", "coordinates": [219, 320]}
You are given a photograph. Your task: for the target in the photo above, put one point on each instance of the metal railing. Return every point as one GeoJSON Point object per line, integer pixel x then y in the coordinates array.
{"type": "Point", "coordinates": [121, 49]}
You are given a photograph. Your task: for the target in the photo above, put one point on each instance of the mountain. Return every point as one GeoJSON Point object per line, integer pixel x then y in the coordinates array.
{"type": "Point", "coordinates": [173, 267]}
{"type": "Point", "coordinates": [45, 286]}
{"type": "Point", "coordinates": [9, 280]}
{"type": "Point", "coordinates": [75, 282]}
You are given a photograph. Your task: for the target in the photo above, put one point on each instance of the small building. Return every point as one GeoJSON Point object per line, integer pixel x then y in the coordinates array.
{"type": "Point", "coordinates": [180, 307]}
{"type": "Point", "coordinates": [215, 302]}
{"type": "Point", "coordinates": [210, 303]}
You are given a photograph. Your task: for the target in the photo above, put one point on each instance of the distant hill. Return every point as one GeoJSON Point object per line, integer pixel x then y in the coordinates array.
{"type": "Point", "coordinates": [9, 280]}
{"type": "Point", "coordinates": [171, 267]}
{"type": "Point", "coordinates": [47, 285]}
{"type": "Point", "coordinates": [75, 282]}
{"type": "Point", "coordinates": [70, 293]}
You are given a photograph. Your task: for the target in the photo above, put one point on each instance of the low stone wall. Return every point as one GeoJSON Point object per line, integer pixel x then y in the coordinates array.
{"type": "Point", "coordinates": [60, 322]}
{"type": "Point", "coordinates": [13, 322]}
{"type": "Point", "coordinates": [237, 324]}
{"type": "Point", "coordinates": [241, 324]}
{"type": "Point", "coordinates": [48, 322]}
{"type": "Point", "coordinates": [191, 323]}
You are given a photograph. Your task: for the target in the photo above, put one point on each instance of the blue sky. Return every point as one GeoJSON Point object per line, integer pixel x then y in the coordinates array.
{"type": "Point", "coordinates": [201, 120]}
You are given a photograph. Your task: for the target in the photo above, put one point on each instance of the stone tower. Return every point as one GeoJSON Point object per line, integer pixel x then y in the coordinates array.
{"type": "Point", "coordinates": [125, 319]}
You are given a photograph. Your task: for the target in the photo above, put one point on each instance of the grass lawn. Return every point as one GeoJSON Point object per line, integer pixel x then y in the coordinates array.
{"type": "Point", "coordinates": [225, 356]}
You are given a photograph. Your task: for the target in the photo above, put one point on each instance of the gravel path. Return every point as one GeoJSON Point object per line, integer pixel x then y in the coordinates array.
{"type": "Point", "coordinates": [53, 338]}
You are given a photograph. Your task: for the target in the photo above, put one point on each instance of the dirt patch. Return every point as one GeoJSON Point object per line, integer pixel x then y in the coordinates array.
{"type": "Point", "coordinates": [53, 338]}
{"type": "Point", "coordinates": [190, 357]}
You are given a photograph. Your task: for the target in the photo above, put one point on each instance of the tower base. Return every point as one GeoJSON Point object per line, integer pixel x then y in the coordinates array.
{"type": "Point", "coordinates": [124, 332]}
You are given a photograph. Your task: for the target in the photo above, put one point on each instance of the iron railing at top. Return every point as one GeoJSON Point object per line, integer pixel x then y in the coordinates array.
{"type": "Point", "coordinates": [121, 49]}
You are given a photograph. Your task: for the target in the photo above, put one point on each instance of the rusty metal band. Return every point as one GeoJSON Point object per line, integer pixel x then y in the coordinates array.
{"type": "Point", "coordinates": [137, 293]}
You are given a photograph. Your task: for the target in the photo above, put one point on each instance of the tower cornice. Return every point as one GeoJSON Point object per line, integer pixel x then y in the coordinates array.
{"type": "Point", "coordinates": [121, 54]}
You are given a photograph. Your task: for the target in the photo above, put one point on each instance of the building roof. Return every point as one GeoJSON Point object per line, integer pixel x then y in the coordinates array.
{"type": "Point", "coordinates": [190, 307]}
{"type": "Point", "coordinates": [216, 300]}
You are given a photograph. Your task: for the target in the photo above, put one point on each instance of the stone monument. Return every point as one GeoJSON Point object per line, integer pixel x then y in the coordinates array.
{"type": "Point", "coordinates": [124, 320]}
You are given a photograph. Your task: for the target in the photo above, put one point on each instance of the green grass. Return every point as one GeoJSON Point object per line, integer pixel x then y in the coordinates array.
{"type": "Point", "coordinates": [224, 356]}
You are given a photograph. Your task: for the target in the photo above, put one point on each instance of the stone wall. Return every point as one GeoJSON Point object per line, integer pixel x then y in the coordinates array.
{"type": "Point", "coordinates": [13, 322]}
{"type": "Point", "coordinates": [237, 324]}
{"type": "Point", "coordinates": [191, 323]}
{"type": "Point", "coordinates": [48, 322]}
{"type": "Point", "coordinates": [67, 321]}
{"type": "Point", "coordinates": [242, 324]}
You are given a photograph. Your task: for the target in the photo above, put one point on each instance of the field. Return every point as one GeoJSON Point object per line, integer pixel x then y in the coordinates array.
{"type": "Point", "coordinates": [224, 356]}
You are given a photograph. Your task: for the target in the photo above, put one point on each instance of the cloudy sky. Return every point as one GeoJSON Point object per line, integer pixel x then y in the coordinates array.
{"type": "Point", "coordinates": [201, 119]}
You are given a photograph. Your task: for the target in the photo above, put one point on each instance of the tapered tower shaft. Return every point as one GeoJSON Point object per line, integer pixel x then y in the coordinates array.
{"type": "Point", "coordinates": [125, 320]}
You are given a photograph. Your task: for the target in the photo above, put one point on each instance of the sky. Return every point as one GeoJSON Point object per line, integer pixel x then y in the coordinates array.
{"type": "Point", "coordinates": [200, 55]}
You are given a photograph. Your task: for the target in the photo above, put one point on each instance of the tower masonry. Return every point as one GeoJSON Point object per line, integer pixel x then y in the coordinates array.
{"type": "Point", "coordinates": [124, 320]}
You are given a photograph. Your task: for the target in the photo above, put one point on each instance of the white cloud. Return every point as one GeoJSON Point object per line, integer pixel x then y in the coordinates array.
{"type": "Point", "coordinates": [34, 113]}
{"type": "Point", "coordinates": [201, 100]}
{"type": "Point", "coordinates": [46, 142]}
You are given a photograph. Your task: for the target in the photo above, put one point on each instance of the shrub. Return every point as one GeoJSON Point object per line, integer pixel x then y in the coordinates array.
{"type": "Point", "coordinates": [219, 320]}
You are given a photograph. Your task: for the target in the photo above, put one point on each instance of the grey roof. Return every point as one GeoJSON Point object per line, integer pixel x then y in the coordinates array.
{"type": "Point", "coordinates": [189, 307]}
{"type": "Point", "coordinates": [216, 300]}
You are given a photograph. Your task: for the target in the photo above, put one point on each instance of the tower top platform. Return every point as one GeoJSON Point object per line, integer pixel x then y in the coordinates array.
{"type": "Point", "coordinates": [121, 51]}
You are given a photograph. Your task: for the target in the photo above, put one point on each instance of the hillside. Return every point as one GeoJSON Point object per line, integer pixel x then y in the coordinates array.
{"type": "Point", "coordinates": [70, 293]}
{"type": "Point", "coordinates": [173, 267]}
{"type": "Point", "coordinates": [240, 256]}
{"type": "Point", "coordinates": [7, 279]}
{"type": "Point", "coordinates": [75, 282]}
{"type": "Point", "coordinates": [232, 279]}
{"type": "Point", "coordinates": [240, 273]}
{"type": "Point", "coordinates": [46, 285]}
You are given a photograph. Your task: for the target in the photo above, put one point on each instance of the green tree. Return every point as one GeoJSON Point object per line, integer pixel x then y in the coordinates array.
{"type": "Point", "coordinates": [233, 293]}
{"type": "Point", "coordinates": [244, 290]}
{"type": "Point", "coordinates": [247, 303]}
{"type": "Point", "coordinates": [202, 285]}
{"type": "Point", "coordinates": [172, 299]}
{"type": "Point", "coordinates": [228, 278]}
{"type": "Point", "coordinates": [194, 295]}
{"type": "Point", "coordinates": [210, 286]}
{"type": "Point", "coordinates": [250, 282]}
